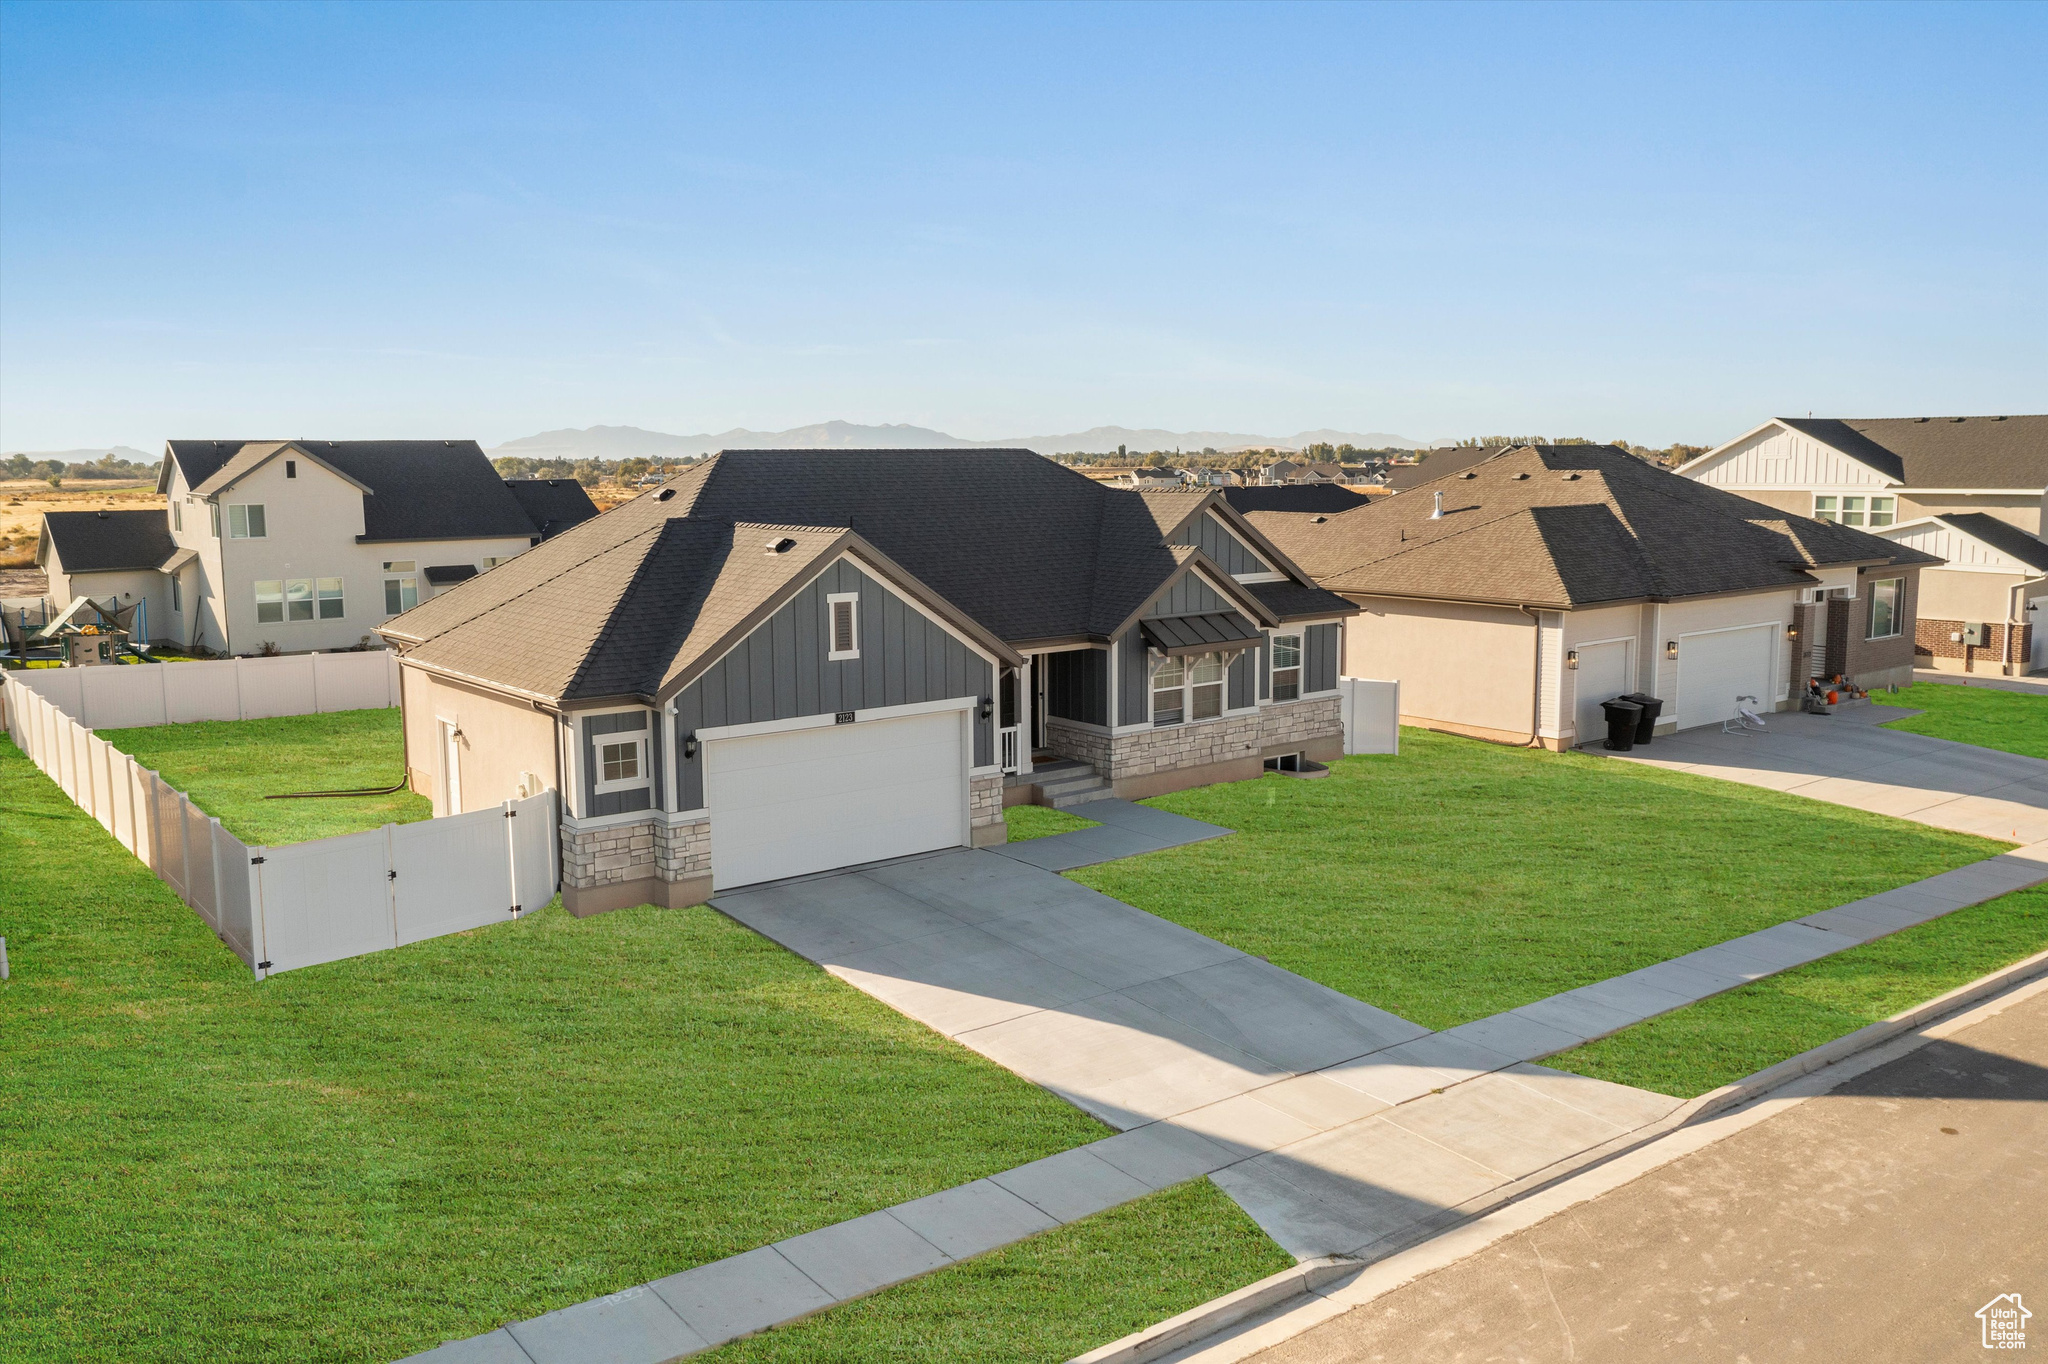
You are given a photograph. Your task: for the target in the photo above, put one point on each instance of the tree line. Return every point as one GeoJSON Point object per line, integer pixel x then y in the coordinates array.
{"type": "Point", "coordinates": [55, 471]}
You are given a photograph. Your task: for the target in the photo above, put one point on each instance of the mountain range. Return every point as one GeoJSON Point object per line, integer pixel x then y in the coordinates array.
{"type": "Point", "coordinates": [92, 456]}
{"type": "Point", "coordinates": [631, 442]}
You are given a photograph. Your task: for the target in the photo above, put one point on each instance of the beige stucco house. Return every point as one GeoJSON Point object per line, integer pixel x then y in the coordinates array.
{"type": "Point", "coordinates": [1968, 490]}
{"type": "Point", "coordinates": [1512, 597]}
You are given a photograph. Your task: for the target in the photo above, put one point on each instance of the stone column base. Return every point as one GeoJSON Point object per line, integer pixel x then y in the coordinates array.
{"type": "Point", "coordinates": [584, 901]}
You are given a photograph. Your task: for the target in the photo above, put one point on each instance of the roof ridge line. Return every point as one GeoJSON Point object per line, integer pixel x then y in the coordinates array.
{"type": "Point", "coordinates": [552, 577]}
{"type": "Point", "coordinates": [640, 571]}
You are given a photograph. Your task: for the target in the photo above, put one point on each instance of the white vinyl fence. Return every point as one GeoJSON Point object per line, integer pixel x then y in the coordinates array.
{"type": "Point", "coordinates": [1372, 715]}
{"type": "Point", "coordinates": [303, 903]}
{"type": "Point", "coordinates": [225, 689]}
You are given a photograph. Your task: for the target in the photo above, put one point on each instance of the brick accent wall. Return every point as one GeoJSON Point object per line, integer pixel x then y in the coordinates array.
{"type": "Point", "coordinates": [984, 802]}
{"type": "Point", "coordinates": [2005, 643]}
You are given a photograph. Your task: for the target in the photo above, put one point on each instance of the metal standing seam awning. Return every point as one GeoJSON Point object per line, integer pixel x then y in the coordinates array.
{"type": "Point", "coordinates": [1207, 633]}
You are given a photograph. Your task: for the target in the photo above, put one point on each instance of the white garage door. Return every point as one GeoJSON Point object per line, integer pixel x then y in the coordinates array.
{"type": "Point", "coordinates": [1603, 674]}
{"type": "Point", "coordinates": [814, 799]}
{"type": "Point", "coordinates": [1715, 668]}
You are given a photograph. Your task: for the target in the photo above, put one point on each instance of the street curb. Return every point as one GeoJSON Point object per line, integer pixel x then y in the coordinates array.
{"type": "Point", "coordinates": [1294, 1287]}
{"type": "Point", "coordinates": [1175, 1333]}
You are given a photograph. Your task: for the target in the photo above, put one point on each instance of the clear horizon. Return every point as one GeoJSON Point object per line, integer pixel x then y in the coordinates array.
{"type": "Point", "coordinates": [1659, 223]}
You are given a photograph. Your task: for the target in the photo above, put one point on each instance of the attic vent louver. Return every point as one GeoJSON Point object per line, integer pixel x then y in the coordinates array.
{"type": "Point", "coordinates": [1319, 520]}
{"type": "Point", "coordinates": [664, 495]}
{"type": "Point", "coordinates": [1520, 477]}
{"type": "Point", "coordinates": [1571, 478]}
{"type": "Point", "coordinates": [782, 546]}
{"type": "Point", "coordinates": [1468, 474]}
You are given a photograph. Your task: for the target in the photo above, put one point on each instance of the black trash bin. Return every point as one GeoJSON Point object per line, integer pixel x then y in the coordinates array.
{"type": "Point", "coordinates": [1621, 723]}
{"type": "Point", "coordinates": [1652, 708]}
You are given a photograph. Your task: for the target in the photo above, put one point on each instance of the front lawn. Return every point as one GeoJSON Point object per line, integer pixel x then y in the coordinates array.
{"type": "Point", "coordinates": [1463, 878]}
{"type": "Point", "coordinates": [227, 767]}
{"type": "Point", "coordinates": [1982, 716]}
{"type": "Point", "coordinates": [1719, 1040]}
{"type": "Point", "coordinates": [362, 1159]}
{"type": "Point", "coordinates": [1047, 1299]}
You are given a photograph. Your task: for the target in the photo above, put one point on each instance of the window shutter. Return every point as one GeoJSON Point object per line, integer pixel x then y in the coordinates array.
{"type": "Point", "coordinates": [842, 627]}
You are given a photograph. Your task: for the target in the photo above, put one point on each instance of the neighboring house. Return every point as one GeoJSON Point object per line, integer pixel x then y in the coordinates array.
{"type": "Point", "coordinates": [1513, 597]}
{"type": "Point", "coordinates": [304, 545]}
{"type": "Point", "coordinates": [1968, 489]}
{"type": "Point", "coordinates": [553, 504]}
{"type": "Point", "coordinates": [787, 661]}
{"type": "Point", "coordinates": [1152, 478]}
{"type": "Point", "coordinates": [110, 556]}
{"type": "Point", "coordinates": [1286, 471]}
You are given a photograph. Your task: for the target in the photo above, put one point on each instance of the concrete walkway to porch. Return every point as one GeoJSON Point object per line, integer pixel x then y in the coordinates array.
{"type": "Point", "coordinates": [1848, 758]}
{"type": "Point", "coordinates": [1122, 830]}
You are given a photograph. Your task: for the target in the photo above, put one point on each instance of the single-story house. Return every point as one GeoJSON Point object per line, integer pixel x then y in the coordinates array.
{"type": "Point", "coordinates": [1972, 490]}
{"type": "Point", "coordinates": [1512, 597]}
{"type": "Point", "coordinates": [789, 661]}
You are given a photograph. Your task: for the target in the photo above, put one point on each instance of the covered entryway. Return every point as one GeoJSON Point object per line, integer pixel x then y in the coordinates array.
{"type": "Point", "coordinates": [813, 799]}
{"type": "Point", "coordinates": [1604, 672]}
{"type": "Point", "coordinates": [1717, 666]}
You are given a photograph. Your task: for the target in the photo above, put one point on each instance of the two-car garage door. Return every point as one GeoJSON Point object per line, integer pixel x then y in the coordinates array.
{"type": "Point", "coordinates": [1716, 667]}
{"type": "Point", "coordinates": [813, 799]}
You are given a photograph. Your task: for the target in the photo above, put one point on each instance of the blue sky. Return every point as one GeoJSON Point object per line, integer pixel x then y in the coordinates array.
{"type": "Point", "coordinates": [1654, 222]}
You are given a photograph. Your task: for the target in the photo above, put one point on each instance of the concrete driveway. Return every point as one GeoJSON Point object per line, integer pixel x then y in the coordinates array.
{"type": "Point", "coordinates": [1848, 759]}
{"type": "Point", "coordinates": [1126, 1015]}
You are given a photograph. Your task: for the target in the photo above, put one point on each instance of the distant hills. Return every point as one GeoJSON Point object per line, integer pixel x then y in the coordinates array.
{"type": "Point", "coordinates": [631, 442]}
{"type": "Point", "coordinates": [92, 456]}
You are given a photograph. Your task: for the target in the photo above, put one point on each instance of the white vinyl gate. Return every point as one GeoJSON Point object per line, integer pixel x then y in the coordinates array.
{"type": "Point", "coordinates": [305, 903]}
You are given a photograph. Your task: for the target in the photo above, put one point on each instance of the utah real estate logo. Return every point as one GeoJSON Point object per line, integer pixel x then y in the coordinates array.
{"type": "Point", "coordinates": [2005, 1322]}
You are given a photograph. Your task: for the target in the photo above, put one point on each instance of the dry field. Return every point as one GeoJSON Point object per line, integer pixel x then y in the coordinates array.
{"type": "Point", "coordinates": [23, 502]}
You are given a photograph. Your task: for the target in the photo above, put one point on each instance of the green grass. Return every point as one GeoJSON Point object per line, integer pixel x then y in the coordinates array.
{"type": "Point", "coordinates": [358, 1160]}
{"type": "Point", "coordinates": [1716, 1041]}
{"type": "Point", "coordinates": [227, 767]}
{"type": "Point", "coordinates": [1036, 821]}
{"type": "Point", "coordinates": [1463, 878]}
{"type": "Point", "coordinates": [1982, 716]}
{"type": "Point", "coordinates": [1046, 1299]}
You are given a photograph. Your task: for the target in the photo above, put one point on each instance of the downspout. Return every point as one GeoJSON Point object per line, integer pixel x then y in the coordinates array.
{"type": "Point", "coordinates": [1536, 694]}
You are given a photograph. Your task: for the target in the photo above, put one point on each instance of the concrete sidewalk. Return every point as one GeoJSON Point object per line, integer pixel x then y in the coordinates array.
{"type": "Point", "coordinates": [1124, 830]}
{"type": "Point", "coordinates": [1848, 759]}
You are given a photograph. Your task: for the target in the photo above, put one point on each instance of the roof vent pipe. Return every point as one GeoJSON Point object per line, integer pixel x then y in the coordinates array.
{"type": "Point", "coordinates": [1438, 514]}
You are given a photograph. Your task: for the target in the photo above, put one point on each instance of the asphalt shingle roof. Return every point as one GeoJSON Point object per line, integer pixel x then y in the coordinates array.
{"type": "Point", "coordinates": [552, 504]}
{"type": "Point", "coordinates": [2002, 536]}
{"type": "Point", "coordinates": [1024, 549]}
{"type": "Point", "coordinates": [420, 489]}
{"type": "Point", "coordinates": [1568, 526]}
{"type": "Point", "coordinates": [1327, 498]}
{"type": "Point", "coordinates": [1941, 452]}
{"type": "Point", "coordinates": [108, 541]}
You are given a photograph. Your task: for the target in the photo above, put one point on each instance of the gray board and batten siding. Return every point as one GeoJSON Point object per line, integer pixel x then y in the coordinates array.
{"type": "Point", "coordinates": [1077, 685]}
{"type": "Point", "coordinates": [780, 671]}
{"type": "Point", "coordinates": [1319, 658]}
{"type": "Point", "coordinates": [1230, 554]}
{"type": "Point", "coordinates": [1187, 596]}
{"type": "Point", "coordinates": [595, 729]}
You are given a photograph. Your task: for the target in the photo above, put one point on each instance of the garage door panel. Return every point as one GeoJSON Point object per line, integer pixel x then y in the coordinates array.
{"type": "Point", "coordinates": [1603, 674]}
{"type": "Point", "coordinates": [1715, 668]}
{"type": "Point", "coordinates": [814, 799]}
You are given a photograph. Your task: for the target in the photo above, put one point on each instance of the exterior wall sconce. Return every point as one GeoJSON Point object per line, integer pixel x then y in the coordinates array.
{"type": "Point", "coordinates": [1571, 659]}
{"type": "Point", "coordinates": [1792, 632]}
{"type": "Point", "coordinates": [988, 707]}
{"type": "Point", "coordinates": [690, 748]}
{"type": "Point", "coordinates": [1670, 648]}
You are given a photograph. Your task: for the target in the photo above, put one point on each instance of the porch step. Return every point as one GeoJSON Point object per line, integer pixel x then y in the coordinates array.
{"type": "Point", "coordinates": [1065, 783]}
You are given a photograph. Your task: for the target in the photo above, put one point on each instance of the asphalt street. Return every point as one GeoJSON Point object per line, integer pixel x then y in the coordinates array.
{"type": "Point", "coordinates": [1867, 1224]}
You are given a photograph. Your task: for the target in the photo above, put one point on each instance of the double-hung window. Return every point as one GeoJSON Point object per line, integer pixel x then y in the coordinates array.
{"type": "Point", "coordinates": [842, 610]}
{"type": "Point", "coordinates": [245, 521]}
{"type": "Point", "coordinates": [1883, 510]}
{"type": "Point", "coordinates": [298, 599]}
{"type": "Point", "coordinates": [401, 593]}
{"type": "Point", "coordinates": [1187, 689]}
{"type": "Point", "coordinates": [1856, 511]}
{"type": "Point", "coordinates": [329, 590]}
{"type": "Point", "coordinates": [1287, 667]}
{"type": "Point", "coordinates": [1169, 682]}
{"type": "Point", "coordinates": [1885, 602]}
{"type": "Point", "coordinates": [269, 601]}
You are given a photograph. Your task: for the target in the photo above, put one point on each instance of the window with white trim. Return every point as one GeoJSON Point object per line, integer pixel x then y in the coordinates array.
{"type": "Point", "coordinates": [177, 515]}
{"type": "Point", "coordinates": [269, 601]}
{"type": "Point", "coordinates": [1886, 597]}
{"type": "Point", "coordinates": [1856, 511]}
{"type": "Point", "coordinates": [620, 763]}
{"type": "Point", "coordinates": [1188, 688]}
{"type": "Point", "coordinates": [401, 593]}
{"type": "Point", "coordinates": [1287, 667]}
{"type": "Point", "coordinates": [245, 521]}
{"type": "Point", "coordinates": [842, 625]}
{"type": "Point", "coordinates": [214, 508]}
{"type": "Point", "coordinates": [329, 592]}
{"type": "Point", "coordinates": [298, 599]}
